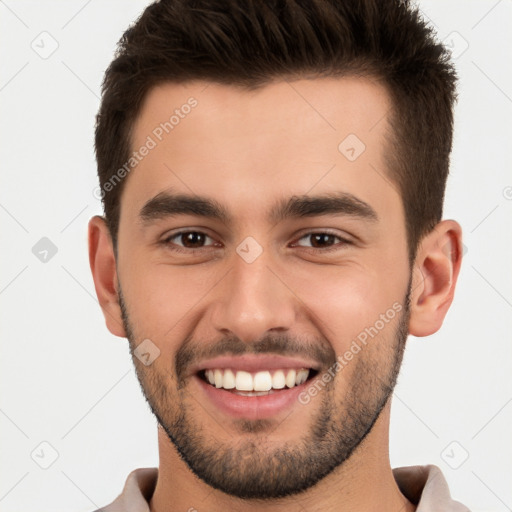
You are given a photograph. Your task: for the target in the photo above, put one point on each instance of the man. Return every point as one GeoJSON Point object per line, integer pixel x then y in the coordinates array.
{"type": "Point", "coordinates": [273, 176]}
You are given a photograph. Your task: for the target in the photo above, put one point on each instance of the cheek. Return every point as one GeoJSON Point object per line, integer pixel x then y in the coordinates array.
{"type": "Point", "coordinates": [165, 300]}
{"type": "Point", "coordinates": [344, 301]}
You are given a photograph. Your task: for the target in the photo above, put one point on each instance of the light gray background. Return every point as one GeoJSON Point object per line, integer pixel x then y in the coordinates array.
{"type": "Point", "coordinates": [67, 382]}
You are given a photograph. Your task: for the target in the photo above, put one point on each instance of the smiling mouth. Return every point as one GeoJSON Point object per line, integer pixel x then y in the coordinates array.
{"type": "Point", "coordinates": [259, 383]}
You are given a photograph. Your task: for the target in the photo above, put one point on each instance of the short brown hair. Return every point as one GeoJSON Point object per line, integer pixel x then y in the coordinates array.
{"type": "Point", "coordinates": [250, 43]}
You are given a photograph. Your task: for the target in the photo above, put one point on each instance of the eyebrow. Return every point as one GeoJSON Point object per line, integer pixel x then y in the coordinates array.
{"type": "Point", "coordinates": [341, 203]}
{"type": "Point", "coordinates": [168, 204]}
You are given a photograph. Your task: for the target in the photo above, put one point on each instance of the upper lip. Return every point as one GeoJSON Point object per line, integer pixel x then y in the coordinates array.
{"type": "Point", "coordinates": [254, 363]}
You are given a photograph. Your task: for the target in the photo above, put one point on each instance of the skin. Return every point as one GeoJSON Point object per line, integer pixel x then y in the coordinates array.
{"type": "Point", "coordinates": [248, 150]}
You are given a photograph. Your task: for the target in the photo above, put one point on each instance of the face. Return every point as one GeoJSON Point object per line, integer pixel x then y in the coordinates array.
{"type": "Point", "coordinates": [262, 247]}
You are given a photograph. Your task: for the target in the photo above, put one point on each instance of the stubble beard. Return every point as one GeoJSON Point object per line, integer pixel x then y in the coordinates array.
{"type": "Point", "coordinates": [254, 467]}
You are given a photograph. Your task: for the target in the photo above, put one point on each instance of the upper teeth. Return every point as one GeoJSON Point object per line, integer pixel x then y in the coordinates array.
{"type": "Point", "coordinates": [260, 381]}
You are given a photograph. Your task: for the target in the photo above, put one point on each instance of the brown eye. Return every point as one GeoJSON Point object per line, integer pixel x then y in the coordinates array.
{"type": "Point", "coordinates": [189, 239]}
{"type": "Point", "coordinates": [192, 239]}
{"type": "Point", "coordinates": [320, 240]}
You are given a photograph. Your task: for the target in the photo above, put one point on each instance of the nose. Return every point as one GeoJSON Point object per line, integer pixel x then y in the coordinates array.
{"type": "Point", "coordinates": [253, 299]}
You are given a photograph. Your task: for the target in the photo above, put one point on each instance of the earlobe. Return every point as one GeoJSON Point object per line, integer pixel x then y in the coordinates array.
{"type": "Point", "coordinates": [104, 273]}
{"type": "Point", "coordinates": [435, 273]}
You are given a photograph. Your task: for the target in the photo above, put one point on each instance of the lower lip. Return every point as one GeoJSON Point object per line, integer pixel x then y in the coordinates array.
{"type": "Point", "coordinates": [252, 407]}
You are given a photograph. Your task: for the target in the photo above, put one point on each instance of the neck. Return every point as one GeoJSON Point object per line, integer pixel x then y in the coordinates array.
{"type": "Point", "coordinates": [365, 483]}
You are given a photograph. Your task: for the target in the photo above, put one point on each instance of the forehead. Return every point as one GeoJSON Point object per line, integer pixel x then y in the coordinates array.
{"type": "Point", "coordinates": [324, 104]}
{"type": "Point", "coordinates": [283, 139]}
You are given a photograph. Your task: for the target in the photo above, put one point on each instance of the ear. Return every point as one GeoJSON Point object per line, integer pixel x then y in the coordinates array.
{"type": "Point", "coordinates": [103, 267]}
{"type": "Point", "coordinates": [435, 273]}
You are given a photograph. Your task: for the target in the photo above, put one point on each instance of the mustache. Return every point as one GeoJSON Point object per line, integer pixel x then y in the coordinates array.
{"type": "Point", "coordinates": [318, 350]}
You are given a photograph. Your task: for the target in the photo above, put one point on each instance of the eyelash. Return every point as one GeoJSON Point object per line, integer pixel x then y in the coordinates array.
{"type": "Point", "coordinates": [176, 248]}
